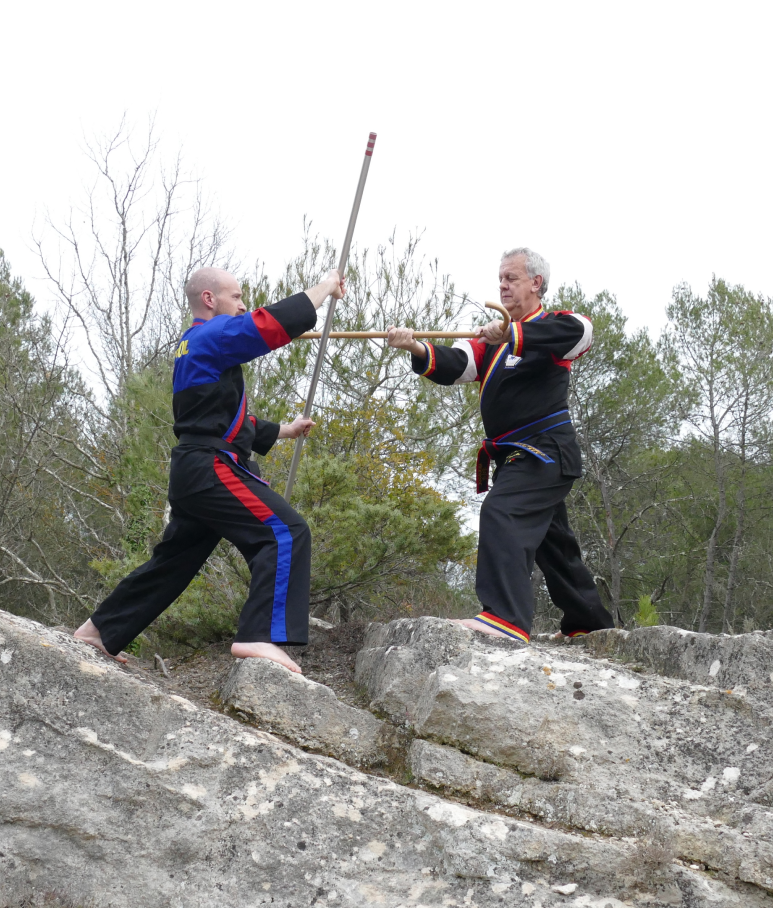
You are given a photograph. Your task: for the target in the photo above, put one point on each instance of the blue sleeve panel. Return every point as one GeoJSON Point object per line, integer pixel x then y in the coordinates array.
{"type": "Point", "coordinates": [209, 348]}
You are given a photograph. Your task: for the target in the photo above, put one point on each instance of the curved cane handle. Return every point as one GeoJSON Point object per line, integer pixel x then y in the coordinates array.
{"type": "Point", "coordinates": [504, 313]}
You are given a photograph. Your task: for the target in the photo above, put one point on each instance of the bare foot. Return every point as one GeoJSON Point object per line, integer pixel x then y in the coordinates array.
{"type": "Point", "coordinates": [264, 651]}
{"type": "Point", "coordinates": [479, 626]}
{"type": "Point", "coordinates": [88, 633]}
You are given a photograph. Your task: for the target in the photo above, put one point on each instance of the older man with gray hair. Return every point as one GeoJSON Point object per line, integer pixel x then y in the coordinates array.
{"type": "Point", "coordinates": [524, 383]}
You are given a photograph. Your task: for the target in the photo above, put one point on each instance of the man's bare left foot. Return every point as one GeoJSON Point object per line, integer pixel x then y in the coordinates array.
{"type": "Point", "coordinates": [264, 651]}
{"type": "Point", "coordinates": [88, 633]}
{"type": "Point", "coordinates": [479, 626]}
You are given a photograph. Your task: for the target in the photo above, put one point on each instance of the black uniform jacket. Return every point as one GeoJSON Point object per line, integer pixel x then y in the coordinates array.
{"type": "Point", "coordinates": [209, 398]}
{"type": "Point", "coordinates": [521, 381]}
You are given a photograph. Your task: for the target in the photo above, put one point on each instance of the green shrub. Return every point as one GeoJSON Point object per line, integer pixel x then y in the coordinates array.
{"type": "Point", "coordinates": [647, 615]}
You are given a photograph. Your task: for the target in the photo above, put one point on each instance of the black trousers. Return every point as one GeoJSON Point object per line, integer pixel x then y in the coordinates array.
{"type": "Point", "coordinates": [524, 519]}
{"type": "Point", "coordinates": [274, 540]}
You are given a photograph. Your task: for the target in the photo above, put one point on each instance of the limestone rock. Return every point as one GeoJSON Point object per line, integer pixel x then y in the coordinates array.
{"type": "Point", "coordinates": [664, 832]}
{"type": "Point", "coordinates": [307, 713]}
{"type": "Point", "coordinates": [397, 658]}
{"type": "Point", "coordinates": [320, 624]}
{"type": "Point", "coordinates": [727, 663]}
{"type": "Point", "coordinates": [579, 806]}
{"type": "Point", "coordinates": [116, 794]}
{"type": "Point", "coordinates": [579, 740]}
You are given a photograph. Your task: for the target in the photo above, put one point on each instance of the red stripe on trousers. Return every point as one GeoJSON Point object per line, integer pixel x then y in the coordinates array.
{"type": "Point", "coordinates": [249, 499]}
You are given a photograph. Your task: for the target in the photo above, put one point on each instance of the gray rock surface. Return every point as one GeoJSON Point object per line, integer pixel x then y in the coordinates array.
{"type": "Point", "coordinates": [574, 739]}
{"type": "Point", "coordinates": [724, 662]}
{"type": "Point", "coordinates": [397, 658]}
{"type": "Point", "coordinates": [307, 713]}
{"type": "Point", "coordinates": [117, 794]}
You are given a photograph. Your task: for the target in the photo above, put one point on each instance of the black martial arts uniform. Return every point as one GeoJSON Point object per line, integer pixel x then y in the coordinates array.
{"type": "Point", "coordinates": [215, 489]}
{"type": "Point", "coordinates": [523, 403]}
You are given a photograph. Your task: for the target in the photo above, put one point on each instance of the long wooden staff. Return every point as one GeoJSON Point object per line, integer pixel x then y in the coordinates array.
{"type": "Point", "coordinates": [329, 319]}
{"type": "Point", "coordinates": [436, 335]}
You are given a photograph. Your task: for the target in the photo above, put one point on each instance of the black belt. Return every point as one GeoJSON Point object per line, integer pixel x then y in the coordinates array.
{"type": "Point", "coordinates": [515, 439]}
{"type": "Point", "coordinates": [211, 441]}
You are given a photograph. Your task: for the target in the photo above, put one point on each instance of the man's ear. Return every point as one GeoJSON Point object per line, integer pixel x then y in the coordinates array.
{"type": "Point", "coordinates": [537, 283]}
{"type": "Point", "coordinates": [208, 299]}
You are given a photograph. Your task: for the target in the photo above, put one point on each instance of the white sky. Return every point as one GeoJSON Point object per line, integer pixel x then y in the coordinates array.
{"type": "Point", "coordinates": [630, 143]}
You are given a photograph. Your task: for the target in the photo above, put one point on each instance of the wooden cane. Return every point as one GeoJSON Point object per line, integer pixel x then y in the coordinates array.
{"type": "Point", "coordinates": [436, 335]}
{"type": "Point", "coordinates": [329, 319]}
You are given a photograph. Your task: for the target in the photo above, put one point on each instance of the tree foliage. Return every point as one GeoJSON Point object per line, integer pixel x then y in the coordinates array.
{"type": "Point", "coordinates": [41, 560]}
{"type": "Point", "coordinates": [673, 512]}
{"type": "Point", "coordinates": [724, 344]}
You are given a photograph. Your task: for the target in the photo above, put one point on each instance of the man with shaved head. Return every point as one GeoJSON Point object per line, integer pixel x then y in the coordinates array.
{"type": "Point", "coordinates": [215, 490]}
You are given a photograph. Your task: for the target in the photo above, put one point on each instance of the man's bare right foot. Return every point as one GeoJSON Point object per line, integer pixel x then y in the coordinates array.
{"type": "Point", "coordinates": [88, 633]}
{"type": "Point", "coordinates": [264, 651]}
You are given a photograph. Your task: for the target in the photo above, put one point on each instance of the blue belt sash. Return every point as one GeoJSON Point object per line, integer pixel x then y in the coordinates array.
{"type": "Point", "coordinates": [516, 438]}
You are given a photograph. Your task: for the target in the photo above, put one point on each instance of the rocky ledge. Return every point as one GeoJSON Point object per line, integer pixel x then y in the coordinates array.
{"type": "Point", "coordinates": [623, 769]}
